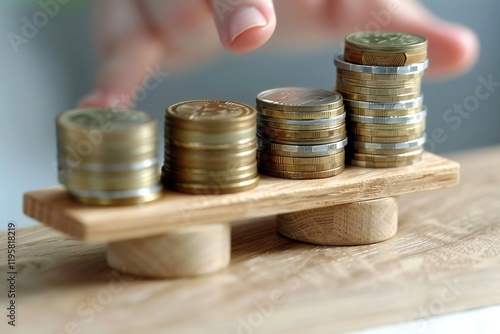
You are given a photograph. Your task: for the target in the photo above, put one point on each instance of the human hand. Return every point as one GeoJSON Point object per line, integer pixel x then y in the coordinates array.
{"type": "Point", "coordinates": [135, 36]}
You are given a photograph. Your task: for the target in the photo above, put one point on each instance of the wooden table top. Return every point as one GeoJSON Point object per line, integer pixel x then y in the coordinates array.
{"type": "Point", "coordinates": [444, 258]}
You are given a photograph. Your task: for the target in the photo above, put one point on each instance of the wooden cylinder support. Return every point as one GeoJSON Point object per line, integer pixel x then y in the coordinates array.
{"type": "Point", "coordinates": [187, 251]}
{"type": "Point", "coordinates": [358, 223]}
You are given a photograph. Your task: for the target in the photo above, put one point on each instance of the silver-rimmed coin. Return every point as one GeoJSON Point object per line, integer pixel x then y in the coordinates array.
{"type": "Point", "coordinates": [390, 146]}
{"type": "Point", "coordinates": [385, 105]}
{"type": "Point", "coordinates": [407, 119]}
{"type": "Point", "coordinates": [298, 98]}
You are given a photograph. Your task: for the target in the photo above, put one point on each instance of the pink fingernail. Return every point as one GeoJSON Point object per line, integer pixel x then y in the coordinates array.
{"type": "Point", "coordinates": [243, 19]}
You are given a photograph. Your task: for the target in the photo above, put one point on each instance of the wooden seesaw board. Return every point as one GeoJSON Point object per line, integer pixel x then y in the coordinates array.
{"type": "Point", "coordinates": [146, 231]}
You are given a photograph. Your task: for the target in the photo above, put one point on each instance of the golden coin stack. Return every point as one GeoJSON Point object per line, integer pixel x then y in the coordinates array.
{"type": "Point", "coordinates": [210, 147]}
{"type": "Point", "coordinates": [108, 156]}
{"type": "Point", "coordinates": [380, 77]}
{"type": "Point", "coordinates": [301, 133]}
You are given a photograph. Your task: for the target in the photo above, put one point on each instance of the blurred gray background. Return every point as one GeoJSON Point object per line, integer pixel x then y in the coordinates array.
{"type": "Point", "coordinates": [55, 68]}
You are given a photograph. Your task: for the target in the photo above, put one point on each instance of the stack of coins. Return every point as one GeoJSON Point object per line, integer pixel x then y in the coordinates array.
{"type": "Point", "coordinates": [108, 156]}
{"type": "Point", "coordinates": [210, 147]}
{"type": "Point", "coordinates": [301, 133]}
{"type": "Point", "coordinates": [379, 77]}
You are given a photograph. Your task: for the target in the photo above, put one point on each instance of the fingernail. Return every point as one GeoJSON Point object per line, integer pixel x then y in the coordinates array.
{"type": "Point", "coordinates": [245, 18]}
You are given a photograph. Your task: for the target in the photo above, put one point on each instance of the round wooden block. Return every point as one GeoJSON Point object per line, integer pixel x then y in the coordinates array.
{"type": "Point", "coordinates": [351, 224]}
{"type": "Point", "coordinates": [187, 251]}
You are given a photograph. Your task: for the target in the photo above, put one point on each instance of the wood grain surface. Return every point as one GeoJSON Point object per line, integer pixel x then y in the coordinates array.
{"type": "Point", "coordinates": [186, 251]}
{"type": "Point", "coordinates": [445, 257]}
{"type": "Point", "coordinates": [352, 224]}
{"type": "Point", "coordinates": [272, 196]}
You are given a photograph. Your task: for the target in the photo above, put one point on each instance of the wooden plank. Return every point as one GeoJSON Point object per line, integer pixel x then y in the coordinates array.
{"type": "Point", "coordinates": [444, 258]}
{"type": "Point", "coordinates": [273, 196]}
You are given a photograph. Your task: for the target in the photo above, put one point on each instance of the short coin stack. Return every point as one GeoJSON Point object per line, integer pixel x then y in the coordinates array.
{"type": "Point", "coordinates": [301, 133]}
{"type": "Point", "coordinates": [108, 156]}
{"type": "Point", "coordinates": [210, 147]}
{"type": "Point", "coordinates": [379, 77]}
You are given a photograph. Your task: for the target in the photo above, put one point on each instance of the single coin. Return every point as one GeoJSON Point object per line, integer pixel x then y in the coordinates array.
{"type": "Point", "coordinates": [315, 141]}
{"type": "Point", "coordinates": [384, 58]}
{"type": "Point", "coordinates": [213, 138]}
{"type": "Point", "coordinates": [334, 158]}
{"type": "Point", "coordinates": [230, 147]}
{"type": "Point", "coordinates": [300, 168]}
{"type": "Point", "coordinates": [302, 175]}
{"type": "Point", "coordinates": [385, 139]}
{"type": "Point", "coordinates": [231, 169]}
{"type": "Point", "coordinates": [386, 158]}
{"type": "Point", "coordinates": [270, 123]}
{"type": "Point", "coordinates": [383, 112]}
{"type": "Point", "coordinates": [358, 131]}
{"type": "Point", "coordinates": [388, 146]}
{"type": "Point", "coordinates": [379, 98]}
{"type": "Point", "coordinates": [324, 149]}
{"type": "Point", "coordinates": [377, 91]}
{"type": "Point", "coordinates": [407, 119]}
{"type": "Point", "coordinates": [211, 188]}
{"type": "Point", "coordinates": [129, 197]}
{"type": "Point", "coordinates": [314, 114]}
{"type": "Point", "coordinates": [378, 83]}
{"type": "Point", "coordinates": [269, 132]}
{"type": "Point", "coordinates": [407, 69]}
{"type": "Point", "coordinates": [380, 77]}
{"type": "Point", "coordinates": [299, 99]}
{"type": "Point", "coordinates": [219, 176]}
{"type": "Point", "coordinates": [416, 102]}
{"type": "Point", "coordinates": [383, 152]}
{"type": "Point", "coordinates": [392, 164]}
{"type": "Point", "coordinates": [385, 41]}
{"type": "Point", "coordinates": [210, 115]}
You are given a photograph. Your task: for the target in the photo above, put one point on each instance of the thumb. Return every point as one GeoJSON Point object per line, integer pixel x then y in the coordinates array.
{"type": "Point", "coordinates": [244, 25]}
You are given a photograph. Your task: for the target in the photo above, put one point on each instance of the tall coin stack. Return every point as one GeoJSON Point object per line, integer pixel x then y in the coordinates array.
{"type": "Point", "coordinates": [301, 133]}
{"type": "Point", "coordinates": [108, 156]}
{"type": "Point", "coordinates": [379, 77]}
{"type": "Point", "coordinates": [210, 147]}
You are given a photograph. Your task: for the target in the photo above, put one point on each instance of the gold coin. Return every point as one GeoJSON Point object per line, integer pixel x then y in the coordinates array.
{"type": "Point", "coordinates": [386, 41]}
{"type": "Point", "coordinates": [380, 83]}
{"type": "Point", "coordinates": [334, 158]}
{"type": "Point", "coordinates": [211, 188]}
{"type": "Point", "coordinates": [301, 114]}
{"type": "Point", "coordinates": [210, 115]}
{"type": "Point", "coordinates": [209, 162]}
{"type": "Point", "coordinates": [133, 200]}
{"type": "Point", "coordinates": [361, 57]}
{"type": "Point", "coordinates": [316, 141]}
{"type": "Point", "coordinates": [300, 126]}
{"type": "Point", "coordinates": [302, 175]}
{"type": "Point", "coordinates": [378, 91]}
{"type": "Point", "coordinates": [387, 133]}
{"type": "Point", "coordinates": [299, 99]}
{"type": "Point", "coordinates": [388, 126]}
{"type": "Point", "coordinates": [386, 158]}
{"type": "Point", "coordinates": [379, 98]}
{"type": "Point", "coordinates": [385, 151]}
{"type": "Point", "coordinates": [300, 168]}
{"type": "Point", "coordinates": [220, 176]}
{"type": "Point", "coordinates": [211, 138]}
{"type": "Point", "coordinates": [265, 132]}
{"type": "Point", "coordinates": [232, 147]}
{"type": "Point", "coordinates": [384, 112]}
{"type": "Point", "coordinates": [385, 139]}
{"type": "Point", "coordinates": [392, 164]}
{"type": "Point", "coordinates": [380, 77]}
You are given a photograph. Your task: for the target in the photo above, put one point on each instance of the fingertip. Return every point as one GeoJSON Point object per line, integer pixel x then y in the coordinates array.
{"type": "Point", "coordinates": [453, 50]}
{"type": "Point", "coordinates": [105, 99]}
